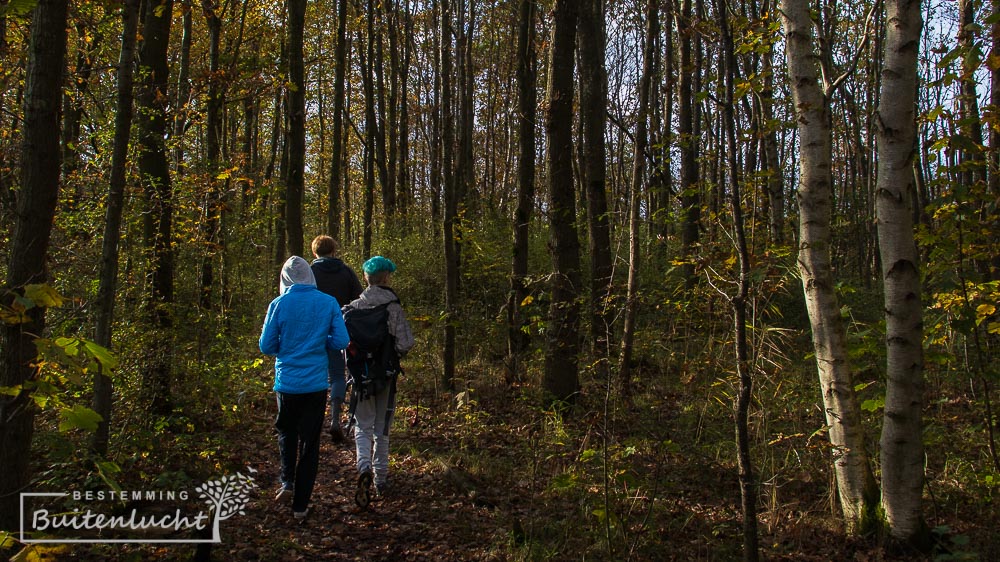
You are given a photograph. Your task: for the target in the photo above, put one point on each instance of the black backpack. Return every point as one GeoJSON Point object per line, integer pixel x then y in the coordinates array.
{"type": "Point", "coordinates": [371, 356]}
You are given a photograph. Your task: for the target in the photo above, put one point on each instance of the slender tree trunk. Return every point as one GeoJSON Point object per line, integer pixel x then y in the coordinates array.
{"type": "Point", "coordinates": [748, 483]}
{"type": "Point", "coordinates": [856, 485]}
{"type": "Point", "coordinates": [36, 205]}
{"type": "Point", "coordinates": [392, 106]}
{"type": "Point", "coordinates": [593, 107]}
{"type": "Point", "coordinates": [112, 222]}
{"type": "Point", "coordinates": [561, 377]}
{"type": "Point", "coordinates": [378, 105]}
{"type": "Point", "coordinates": [403, 158]}
{"type": "Point", "coordinates": [183, 95]}
{"type": "Point", "coordinates": [690, 199]}
{"type": "Point", "coordinates": [371, 128]}
{"type": "Point", "coordinates": [213, 122]}
{"type": "Point", "coordinates": [450, 197]}
{"type": "Point", "coordinates": [73, 104]}
{"type": "Point", "coordinates": [774, 168]}
{"type": "Point", "coordinates": [902, 446]}
{"type": "Point", "coordinates": [295, 186]}
{"type": "Point", "coordinates": [527, 69]}
{"type": "Point", "coordinates": [465, 166]}
{"type": "Point", "coordinates": [973, 164]}
{"type": "Point", "coordinates": [635, 193]}
{"type": "Point", "coordinates": [336, 157]}
{"type": "Point", "coordinates": [994, 152]}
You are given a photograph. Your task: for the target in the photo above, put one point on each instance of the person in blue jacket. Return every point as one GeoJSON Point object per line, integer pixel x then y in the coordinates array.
{"type": "Point", "coordinates": [301, 324]}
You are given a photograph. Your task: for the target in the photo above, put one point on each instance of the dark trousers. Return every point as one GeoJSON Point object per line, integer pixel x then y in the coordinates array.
{"type": "Point", "coordinates": [299, 425]}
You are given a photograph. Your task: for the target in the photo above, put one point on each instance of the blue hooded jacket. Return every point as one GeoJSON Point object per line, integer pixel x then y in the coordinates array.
{"type": "Point", "coordinates": [301, 324]}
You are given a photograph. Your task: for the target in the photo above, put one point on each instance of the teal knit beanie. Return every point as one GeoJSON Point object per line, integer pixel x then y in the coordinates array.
{"type": "Point", "coordinates": [376, 264]}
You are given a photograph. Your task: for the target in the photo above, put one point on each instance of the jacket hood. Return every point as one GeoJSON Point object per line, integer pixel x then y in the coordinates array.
{"type": "Point", "coordinates": [377, 295]}
{"type": "Point", "coordinates": [328, 264]}
{"type": "Point", "coordinates": [296, 271]}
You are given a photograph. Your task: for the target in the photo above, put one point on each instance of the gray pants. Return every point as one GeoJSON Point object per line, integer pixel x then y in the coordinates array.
{"type": "Point", "coordinates": [371, 434]}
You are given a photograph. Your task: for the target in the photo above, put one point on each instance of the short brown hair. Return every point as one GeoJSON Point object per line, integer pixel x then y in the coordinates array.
{"type": "Point", "coordinates": [323, 246]}
{"type": "Point", "coordinates": [377, 278]}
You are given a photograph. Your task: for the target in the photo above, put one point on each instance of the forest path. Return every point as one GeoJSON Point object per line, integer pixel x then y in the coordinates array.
{"type": "Point", "coordinates": [425, 516]}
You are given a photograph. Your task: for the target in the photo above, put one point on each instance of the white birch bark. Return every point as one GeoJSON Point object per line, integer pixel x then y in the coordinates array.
{"type": "Point", "coordinates": [902, 453]}
{"type": "Point", "coordinates": [856, 486]}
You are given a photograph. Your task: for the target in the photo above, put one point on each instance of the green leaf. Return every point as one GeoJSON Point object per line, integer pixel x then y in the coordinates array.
{"type": "Point", "coordinates": [106, 470]}
{"type": "Point", "coordinates": [102, 355]}
{"type": "Point", "coordinates": [873, 405]}
{"type": "Point", "coordinates": [10, 390]}
{"type": "Point", "coordinates": [78, 417]}
{"type": "Point", "coordinates": [43, 295]}
{"type": "Point", "coordinates": [69, 345]}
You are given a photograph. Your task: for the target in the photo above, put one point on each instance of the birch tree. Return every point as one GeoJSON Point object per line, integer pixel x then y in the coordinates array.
{"type": "Point", "coordinates": [855, 484]}
{"type": "Point", "coordinates": [902, 453]}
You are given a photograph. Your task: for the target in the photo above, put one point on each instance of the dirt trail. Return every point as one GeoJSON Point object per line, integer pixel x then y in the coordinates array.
{"type": "Point", "coordinates": [424, 517]}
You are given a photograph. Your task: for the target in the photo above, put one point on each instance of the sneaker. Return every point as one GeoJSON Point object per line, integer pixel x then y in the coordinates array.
{"type": "Point", "coordinates": [285, 492]}
{"type": "Point", "coordinates": [381, 489]}
{"type": "Point", "coordinates": [363, 496]}
{"type": "Point", "coordinates": [300, 515]}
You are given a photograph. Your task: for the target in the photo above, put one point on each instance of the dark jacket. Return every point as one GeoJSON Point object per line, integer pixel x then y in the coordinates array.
{"type": "Point", "coordinates": [336, 279]}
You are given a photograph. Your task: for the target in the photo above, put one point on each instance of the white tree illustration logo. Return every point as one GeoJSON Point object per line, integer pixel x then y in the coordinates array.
{"type": "Point", "coordinates": [227, 496]}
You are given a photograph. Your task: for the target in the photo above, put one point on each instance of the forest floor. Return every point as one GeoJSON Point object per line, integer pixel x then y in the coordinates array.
{"type": "Point", "coordinates": [425, 516]}
{"type": "Point", "coordinates": [504, 480]}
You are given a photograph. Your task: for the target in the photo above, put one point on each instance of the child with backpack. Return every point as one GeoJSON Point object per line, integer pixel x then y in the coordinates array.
{"type": "Point", "coordinates": [380, 335]}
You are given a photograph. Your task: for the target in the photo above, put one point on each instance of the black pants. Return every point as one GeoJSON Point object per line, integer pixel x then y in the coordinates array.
{"type": "Point", "coordinates": [299, 425]}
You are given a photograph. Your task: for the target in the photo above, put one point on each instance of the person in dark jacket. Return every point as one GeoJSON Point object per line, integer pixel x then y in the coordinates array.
{"type": "Point", "coordinates": [336, 279]}
{"type": "Point", "coordinates": [301, 324]}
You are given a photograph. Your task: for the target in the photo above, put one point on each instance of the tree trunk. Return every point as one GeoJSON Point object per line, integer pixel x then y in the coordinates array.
{"type": "Point", "coordinates": [403, 147]}
{"type": "Point", "coordinates": [73, 104]}
{"type": "Point", "coordinates": [36, 205]}
{"type": "Point", "coordinates": [112, 222]}
{"type": "Point", "coordinates": [371, 129]}
{"type": "Point", "coordinates": [593, 107]}
{"type": "Point", "coordinates": [635, 193]}
{"type": "Point", "coordinates": [690, 199]}
{"type": "Point", "coordinates": [154, 172]}
{"type": "Point", "coordinates": [902, 446]}
{"type": "Point", "coordinates": [450, 198]}
{"type": "Point", "coordinates": [856, 485]}
{"type": "Point", "coordinates": [772, 161]}
{"type": "Point", "coordinates": [336, 157]}
{"type": "Point", "coordinates": [970, 122]}
{"type": "Point", "coordinates": [994, 152]}
{"type": "Point", "coordinates": [183, 95]}
{"type": "Point", "coordinates": [561, 377]}
{"type": "Point", "coordinates": [391, 114]}
{"type": "Point", "coordinates": [295, 186]}
{"type": "Point", "coordinates": [527, 70]}
{"type": "Point", "coordinates": [748, 483]}
{"type": "Point", "coordinates": [378, 104]}
{"type": "Point", "coordinates": [213, 123]}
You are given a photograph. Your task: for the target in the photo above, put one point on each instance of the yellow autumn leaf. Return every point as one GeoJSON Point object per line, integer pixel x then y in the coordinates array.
{"type": "Point", "coordinates": [43, 295]}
